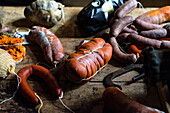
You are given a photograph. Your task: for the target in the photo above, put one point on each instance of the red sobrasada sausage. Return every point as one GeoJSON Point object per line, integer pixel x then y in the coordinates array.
{"type": "Point", "coordinates": [90, 58]}
{"type": "Point", "coordinates": [117, 102]}
{"type": "Point", "coordinates": [44, 74]}
{"type": "Point", "coordinates": [134, 49]}
{"type": "Point", "coordinates": [156, 16]}
{"type": "Point", "coordinates": [149, 20]}
{"type": "Point", "coordinates": [49, 42]}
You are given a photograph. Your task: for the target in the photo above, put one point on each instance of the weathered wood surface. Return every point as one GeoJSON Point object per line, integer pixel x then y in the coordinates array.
{"type": "Point", "coordinates": [81, 98]}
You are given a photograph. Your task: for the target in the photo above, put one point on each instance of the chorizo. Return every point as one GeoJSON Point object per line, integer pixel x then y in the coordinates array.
{"type": "Point", "coordinates": [119, 55]}
{"type": "Point", "coordinates": [134, 49]}
{"type": "Point", "coordinates": [119, 25]}
{"type": "Point", "coordinates": [129, 30]}
{"type": "Point", "coordinates": [90, 58]}
{"type": "Point", "coordinates": [165, 44]}
{"type": "Point", "coordinates": [117, 102]}
{"type": "Point", "coordinates": [122, 37]}
{"type": "Point", "coordinates": [125, 9]}
{"type": "Point", "coordinates": [49, 43]}
{"type": "Point", "coordinates": [143, 25]}
{"type": "Point", "coordinates": [155, 33]}
{"type": "Point", "coordinates": [156, 16]}
{"type": "Point", "coordinates": [143, 41]}
{"type": "Point", "coordinates": [149, 19]}
{"type": "Point", "coordinates": [167, 27]}
{"type": "Point", "coordinates": [44, 74]}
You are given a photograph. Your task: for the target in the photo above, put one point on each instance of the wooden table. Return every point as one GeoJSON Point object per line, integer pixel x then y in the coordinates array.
{"type": "Point", "coordinates": [80, 98]}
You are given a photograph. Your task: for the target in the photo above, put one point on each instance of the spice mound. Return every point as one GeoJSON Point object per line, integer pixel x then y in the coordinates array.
{"type": "Point", "coordinates": [14, 47]}
{"type": "Point", "coordinates": [5, 40]}
{"type": "Point", "coordinates": [17, 53]}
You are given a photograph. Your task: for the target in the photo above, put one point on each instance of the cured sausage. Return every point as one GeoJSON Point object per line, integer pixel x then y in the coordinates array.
{"type": "Point", "coordinates": [49, 43]}
{"type": "Point", "coordinates": [44, 74]}
{"type": "Point", "coordinates": [119, 25]}
{"type": "Point", "coordinates": [119, 55]}
{"type": "Point", "coordinates": [125, 9]}
{"type": "Point", "coordinates": [90, 58]}
{"type": "Point", "coordinates": [149, 20]}
{"type": "Point", "coordinates": [155, 33]}
{"type": "Point", "coordinates": [117, 102]}
{"type": "Point", "coordinates": [142, 41]}
{"type": "Point", "coordinates": [156, 16]}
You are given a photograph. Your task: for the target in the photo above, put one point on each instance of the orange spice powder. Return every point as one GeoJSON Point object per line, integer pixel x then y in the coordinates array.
{"type": "Point", "coordinates": [17, 53]}
{"type": "Point", "coordinates": [5, 40]}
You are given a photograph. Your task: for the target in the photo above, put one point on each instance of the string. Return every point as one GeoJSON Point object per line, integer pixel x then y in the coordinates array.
{"type": "Point", "coordinates": [62, 12]}
{"type": "Point", "coordinates": [94, 74]}
{"type": "Point", "coordinates": [65, 104]}
{"type": "Point", "coordinates": [41, 103]}
{"type": "Point", "coordinates": [41, 63]}
{"type": "Point", "coordinates": [121, 49]}
{"type": "Point", "coordinates": [141, 6]}
{"type": "Point", "coordinates": [19, 81]}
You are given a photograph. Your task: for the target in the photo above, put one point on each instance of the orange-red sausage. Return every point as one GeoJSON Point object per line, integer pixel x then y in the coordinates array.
{"type": "Point", "coordinates": [133, 49]}
{"type": "Point", "coordinates": [149, 19]}
{"type": "Point", "coordinates": [156, 16]}
{"type": "Point", "coordinates": [44, 74]}
{"type": "Point", "coordinates": [90, 58]}
{"type": "Point", "coordinates": [117, 102]}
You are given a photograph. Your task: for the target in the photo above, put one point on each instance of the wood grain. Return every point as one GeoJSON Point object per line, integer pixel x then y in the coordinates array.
{"type": "Point", "coordinates": [81, 98]}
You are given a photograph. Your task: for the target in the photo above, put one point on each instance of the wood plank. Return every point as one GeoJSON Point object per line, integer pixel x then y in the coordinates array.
{"type": "Point", "coordinates": [14, 17]}
{"type": "Point", "coordinates": [81, 98]}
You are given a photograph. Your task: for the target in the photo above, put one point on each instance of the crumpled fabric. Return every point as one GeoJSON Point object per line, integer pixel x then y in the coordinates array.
{"type": "Point", "coordinates": [94, 16]}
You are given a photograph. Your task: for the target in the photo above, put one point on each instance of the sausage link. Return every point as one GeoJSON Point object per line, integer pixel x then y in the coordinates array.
{"type": "Point", "coordinates": [119, 25]}
{"type": "Point", "coordinates": [49, 42]}
{"type": "Point", "coordinates": [44, 74]}
{"type": "Point", "coordinates": [134, 49]}
{"type": "Point", "coordinates": [87, 61]}
{"type": "Point", "coordinates": [167, 27]}
{"type": "Point", "coordinates": [143, 25]}
{"type": "Point", "coordinates": [156, 16]}
{"type": "Point", "coordinates": [143, 41]}
{"type": "Point", "coordinates": [155, 33]}
{"type": "Point", "coordinates": [119, 55]}
{"type": "Point", "coordinates": [125, 9]}
{"type": "Point", "coordinates": [122, 37]}
{"type": "Point", "coordinates": [117, 102]}
{"type": "Point", "coordinates": [129, 30]}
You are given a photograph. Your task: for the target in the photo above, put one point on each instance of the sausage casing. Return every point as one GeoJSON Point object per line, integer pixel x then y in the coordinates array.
{"type": "Point", "coordinates": [90, 58]}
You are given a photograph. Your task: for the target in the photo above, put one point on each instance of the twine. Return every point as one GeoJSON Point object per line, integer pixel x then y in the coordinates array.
{"type": "Point", "coordinates": [94, 74]}
{"type": "Point", "coordinates": [19, 81]}
{"type": "Point", "coordinates": [41, 103]}
{"type": "Point", "coordinates": [89, 52]}
{"type": "Point", "coordinates": [65, 104]}
{"type": "Point", "coordinates": [141, 6]}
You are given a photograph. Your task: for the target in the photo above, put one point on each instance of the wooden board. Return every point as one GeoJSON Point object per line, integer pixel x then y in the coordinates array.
{"type": "Point", "coordinates": [81, 98]}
